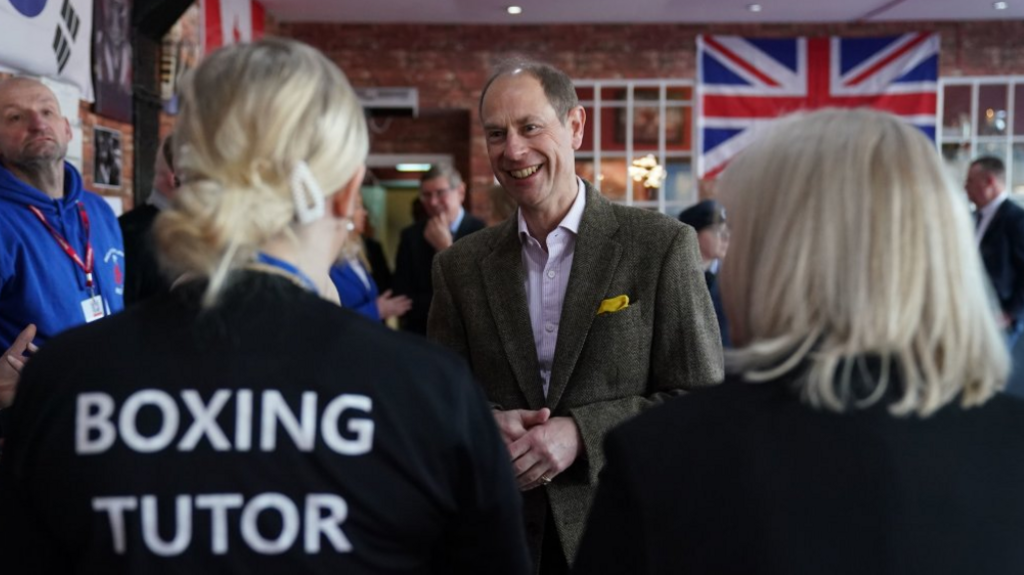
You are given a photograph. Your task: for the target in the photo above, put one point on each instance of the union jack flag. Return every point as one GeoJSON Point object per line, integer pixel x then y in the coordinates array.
{"type": "Point", "coordinates": [745, 83]}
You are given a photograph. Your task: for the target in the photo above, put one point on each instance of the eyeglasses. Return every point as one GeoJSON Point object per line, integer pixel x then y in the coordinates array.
{"type": "Point", "coordinates": [429, 195]}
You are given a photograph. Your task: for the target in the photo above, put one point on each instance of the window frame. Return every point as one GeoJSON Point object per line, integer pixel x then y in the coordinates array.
{"type": "Point", "coordinates": [597, 105]}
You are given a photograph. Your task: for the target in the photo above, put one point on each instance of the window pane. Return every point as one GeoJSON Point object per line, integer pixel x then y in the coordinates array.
{"type": "Point", "coordinates": [588, 130]}
{"type": "Point", "coordinates": [585, 170]}
{"type": "Point", "coordinates": [679, 181]}
{"type": "Point", "coordinates": [646, 94]}
{"type": "Point", "coordinates": [613, 94]}
{"type": "Point", "coordinates": [679, 94]}
{"type": "Point", "coordinates": [956, 112]}
{"type": "Point", "coordinates": [645, 127]}
{"type": "Point", "coordinates": [585, 93]}
{"type": "Point", "coordinates": [992, 110]}
{"type": "Point", "coordinates": [1017, 186]}
{"type": "Point", "coordinates": [612, 180]}
{"type": "Point", "coordinates": [956, 159]}
{"type": "Point", "coordinates": [613, 129]}
{"type": "Point", "coordinates": [678, 129]}
{"type": "Point", "coordinates": [997, 149]}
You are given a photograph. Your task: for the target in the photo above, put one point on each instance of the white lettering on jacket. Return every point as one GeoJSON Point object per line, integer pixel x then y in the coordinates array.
{"type": "Point", "coordinates": [319, 517]}
{"type": "Point", "coordinates": [100, 423]}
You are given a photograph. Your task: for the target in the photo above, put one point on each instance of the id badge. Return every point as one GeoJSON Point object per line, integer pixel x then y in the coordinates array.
{"type": "Point", "coordinates": [92, 308]}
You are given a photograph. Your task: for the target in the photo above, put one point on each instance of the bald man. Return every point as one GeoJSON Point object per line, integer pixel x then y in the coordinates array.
{"type": "Point", "coordinates": [61, 254]}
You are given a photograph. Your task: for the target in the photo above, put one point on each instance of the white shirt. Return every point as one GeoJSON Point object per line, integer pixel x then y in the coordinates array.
{"type": "Point", "coordinates": [547, 275]}
{"type": "Point", "coordinates": [987, 213]}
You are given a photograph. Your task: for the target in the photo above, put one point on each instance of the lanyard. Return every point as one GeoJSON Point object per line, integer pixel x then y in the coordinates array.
{"type": "Point", "coordinates": [287, 268]}
{"type": "Point", "coordinates": [87, 265]}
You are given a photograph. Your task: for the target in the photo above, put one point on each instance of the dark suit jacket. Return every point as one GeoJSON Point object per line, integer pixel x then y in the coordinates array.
{"type": "Point", "coordinates": [606, 368]}
{"type": "Point", "coordinates": [381, 271]}
{"type": "Point", "coordinates": [1002, 250]}
{"type": "Point", "coordinates": [745, 479]}
{"type": "Point", "coordinates": [412, 270]}
{"type": "Point", "coordinates": [716, 301]}
{"type": "Point", "coordinates": [142, 277]}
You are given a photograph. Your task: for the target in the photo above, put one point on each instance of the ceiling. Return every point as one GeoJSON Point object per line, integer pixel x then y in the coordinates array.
{"type": "Point", "coordinates": [634, 11]}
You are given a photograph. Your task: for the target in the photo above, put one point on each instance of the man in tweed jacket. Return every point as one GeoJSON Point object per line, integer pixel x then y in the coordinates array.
{"type": "Point", "coordinates": [574, 315]}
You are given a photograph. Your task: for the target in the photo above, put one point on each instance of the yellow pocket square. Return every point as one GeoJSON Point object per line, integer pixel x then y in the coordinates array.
{"type": "Point", "coordinates": [613, 304]}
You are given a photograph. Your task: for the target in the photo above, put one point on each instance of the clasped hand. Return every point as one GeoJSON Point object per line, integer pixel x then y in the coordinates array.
{"type": "Point", "coordinates": [540, 446]}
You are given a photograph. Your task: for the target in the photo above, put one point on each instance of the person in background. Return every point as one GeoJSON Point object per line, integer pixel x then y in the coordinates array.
{"type": "Point", "coordinates": [860, 428]}
{"type": "Point", "coordinates": [61, 253]}
{"type": "Point", "coordinates": [999, 233]}
{"type": "Point", "coordinates": [441, 195]}
{"type": "Point", "coordinates": [356, 286]}
{"type": "Point", "coordinates": [143, 278]}
{"type": "Point", "coordinates": [708, 218]}
{"type": "Point", "coordinates": [243, 422]}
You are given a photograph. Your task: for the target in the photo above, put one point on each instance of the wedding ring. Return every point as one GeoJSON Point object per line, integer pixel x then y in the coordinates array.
{"type": "Point", "coordinates": [544, 480]}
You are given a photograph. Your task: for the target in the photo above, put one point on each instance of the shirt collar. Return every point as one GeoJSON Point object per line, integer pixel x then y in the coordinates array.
{"type": "Point", "coordinates": [571, 221]}
{"type": "Point", "coordinates": [994, 204]}
{"type": "Point", "coordinates": [458, 220]}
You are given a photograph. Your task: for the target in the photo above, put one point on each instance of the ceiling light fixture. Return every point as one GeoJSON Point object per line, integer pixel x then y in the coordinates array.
{"type": "Point", "coordinates": [412, 167]}
{"type": "Point", "coordinates": [1000, 5]}
{"type": "Point", "coordinates": [515, 10]}
{"type": "Point", "coordinates": [754, 7]}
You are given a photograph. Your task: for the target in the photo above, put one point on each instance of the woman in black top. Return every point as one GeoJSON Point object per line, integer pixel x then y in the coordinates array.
{"type": "Point", "coordinates": [860, 429]}
{"type": "Point", "coordinates": [241, 423]}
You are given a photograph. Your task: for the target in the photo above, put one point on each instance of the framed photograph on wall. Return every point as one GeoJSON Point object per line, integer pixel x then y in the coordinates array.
{"type": "Point", "coordinates": [112, 59]}
{"type": "Point", "coordinates": [106, 158]}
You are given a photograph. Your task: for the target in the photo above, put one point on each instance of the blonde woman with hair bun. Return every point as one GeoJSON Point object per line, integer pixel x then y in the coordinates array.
{"type": "Point", "coordinates": [861, 428]}
{"type": "Point", "coordinates": [245, 422]}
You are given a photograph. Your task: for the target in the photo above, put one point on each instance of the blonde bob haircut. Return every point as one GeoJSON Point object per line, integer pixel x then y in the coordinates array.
{"type": "Point", "coordinates": [849, 245]}
{"type": "Point", "coordinates": [251, 113]}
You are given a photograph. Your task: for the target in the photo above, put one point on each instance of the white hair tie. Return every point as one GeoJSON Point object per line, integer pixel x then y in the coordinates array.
{"type": "Point", "coordinates": [306, 194]}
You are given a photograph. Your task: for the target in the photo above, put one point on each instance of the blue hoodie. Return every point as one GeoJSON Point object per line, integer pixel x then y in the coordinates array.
{"type": "Point", "coordinates": [39, 283]}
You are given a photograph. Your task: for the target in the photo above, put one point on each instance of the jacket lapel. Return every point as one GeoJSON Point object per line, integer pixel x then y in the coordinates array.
{"type": "Point", "coordinates": [503, 283]}
{"type": "Point", "coordinates": [595, 259]}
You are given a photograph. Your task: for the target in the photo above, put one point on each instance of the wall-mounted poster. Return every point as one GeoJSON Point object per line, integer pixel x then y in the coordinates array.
{"type": "Point", "coordinates": [112, 59]}
{"type": "Point", "coordinates": [182, 49]}
{"type": "Point", "coordinates": [106, 158]}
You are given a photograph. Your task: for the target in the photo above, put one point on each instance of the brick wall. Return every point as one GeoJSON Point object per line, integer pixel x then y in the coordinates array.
{"type": "Point", "coordinates": [449, 64]}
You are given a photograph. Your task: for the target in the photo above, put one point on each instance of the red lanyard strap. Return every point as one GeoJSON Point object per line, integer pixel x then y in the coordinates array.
{"type": "Point", "coordinates": [63, 243]}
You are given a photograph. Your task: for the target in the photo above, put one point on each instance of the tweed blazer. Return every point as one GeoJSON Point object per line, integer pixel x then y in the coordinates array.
{"type": "Point", "coordinates": [606, 368]}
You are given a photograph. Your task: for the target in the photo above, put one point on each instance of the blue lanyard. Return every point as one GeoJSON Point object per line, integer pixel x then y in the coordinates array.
{"type": "Point", "coordinates": [286, 267]}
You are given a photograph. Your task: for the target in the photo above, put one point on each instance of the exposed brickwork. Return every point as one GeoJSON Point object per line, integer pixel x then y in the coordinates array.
{"type": "Point", "coordinates": [449, 64]}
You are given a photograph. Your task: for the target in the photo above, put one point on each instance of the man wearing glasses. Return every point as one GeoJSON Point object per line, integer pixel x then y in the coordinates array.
{"type": "Point", "coordinates": [441, 193]}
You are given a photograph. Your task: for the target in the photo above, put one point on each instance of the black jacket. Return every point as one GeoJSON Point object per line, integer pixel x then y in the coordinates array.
{"type": "Point", "coordinates": [324, 443]}
{"type": "Point", "coordinates": [745, 479]}
{"type": "Point", "coordinates": [413, 268]}
{"type": "Point", "coordinates": [1002, 250]}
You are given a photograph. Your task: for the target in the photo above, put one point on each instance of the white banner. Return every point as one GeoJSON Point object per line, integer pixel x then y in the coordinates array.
{"type": "Point", "coordinates": [51, 38]}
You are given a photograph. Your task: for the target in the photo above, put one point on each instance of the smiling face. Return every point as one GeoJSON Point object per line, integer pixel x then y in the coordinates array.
{"type": "Point", "coordinates": [532, 151]}
{"type": "Point", "coordinates": [33, 133]}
